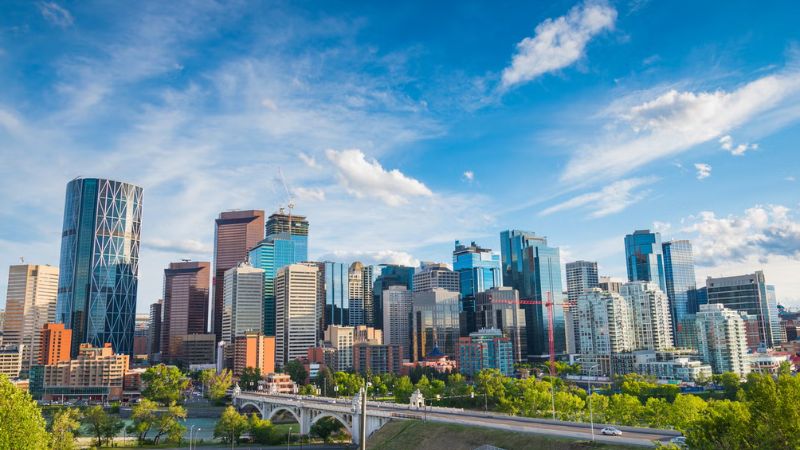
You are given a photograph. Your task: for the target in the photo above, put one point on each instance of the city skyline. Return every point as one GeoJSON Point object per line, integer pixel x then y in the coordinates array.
{"type": "Point", "coordinates": [390, 113]}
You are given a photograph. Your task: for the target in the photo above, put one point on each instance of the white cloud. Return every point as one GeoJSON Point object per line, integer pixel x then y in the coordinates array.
{"type": "Point", "coordinates": [310, 161]}
{"type": "Point", "coordinates": [677, 121]}
{"type": "Point", "coordinates": [790, 178]}
{"type": "Point", "coordinates": [312, 194]}
{"type": "Point", "coordinates": [179, 247]}
{"type": "Point", "coordinates": [372, 257]}
{"type": "Point", "coordinates": [558, 43]}
{"type": "Point", "coordinates": [726, 143]}
{"type": "Point", "coordinates": [703, 170]}
{"type": "Point", "coordinates": [609, 200]}
{"type": "Point", "coordinates": [56, 14]}
{"type": "Point", "coordinates": [469, 176]}
{"type": "Point", "coordinates": [363, 178]}
{"type": "Point", "coordinates": [762, 231]}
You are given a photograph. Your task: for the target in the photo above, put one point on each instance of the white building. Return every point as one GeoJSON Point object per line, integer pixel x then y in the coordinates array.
{"type": "Point", "coordinates": [397, 301]}
{"type": "Point", "coordinates": [721, 339]}
{"type": "Point", "coordinates": [243, 302]}
{"type": "Point", "coordinates": [650, 317]}
{"type": "Point", "coordinates": [435, 275]}
{"type": "Point", "coordinates": [604, 323]}
{"type": "Point", "coordinates": [30, 303]}
{"type": "Point", "coordinates": [296, 311]}
{"type": "Point", "coordinates": [342, 339]}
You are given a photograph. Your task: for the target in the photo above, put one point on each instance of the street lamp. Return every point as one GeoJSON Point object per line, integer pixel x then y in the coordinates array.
{"type": "Point", "coordinates": [288, 438]}
{"type": "Point", "coordinates": [191, 430]}
{"type": "Point", "coordinates": [591, 410]}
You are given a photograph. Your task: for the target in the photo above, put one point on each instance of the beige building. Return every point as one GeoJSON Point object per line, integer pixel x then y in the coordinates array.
{"type": "Point", "coordinates": [296, 312]}
{"type": "Point", "coordinates": [30, 304]}
{"type": "Point", "coordinates": [96, 373]}
{"type": "Point", "coordinates": [11, 360]}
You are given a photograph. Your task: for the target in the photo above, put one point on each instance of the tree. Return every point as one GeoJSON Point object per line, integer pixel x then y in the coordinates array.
{"type": "Point", "coordinates": [231, 425]}
{"type": "Point", "coordinates": [296, 370]}
{"type": "Point", "coordinates": [143, 416]}
{"type": "Point", "coordinates": [249, 378]}
{"type": "Point", "coordinates": [164, 384]}
{"type": "Point", "coordinates": [205, 378]}
{"type": "Point", "coordinates": [730, 384]}
{"type": "Point", "coordinates": [723, 425]}
{"type": "Point", "coordinates": [102, 425]}
{"type": "Point", "coordinates": [403, 390]}
{"type": "Point", "coordinates": [308, 389]}
{"type": "Point", "coordinates": [658, 412]}
{"type": "Point", "coordinates": [686, 409]}
{"type": "Point", "coordinates": [325, 427]}
{"type": "Point", "coordinates": [169, 424]}
{"type": "Point", "coordinates": [64, 428]}
{"type": "Point", "coordinates": [775, 419]}
{"type": "Point", "coordinates": [348, 383]}
{"type": "Point", "coordinates": [325, 381]}
{"type": "Point", "coordinates": [624, 409]}
{"type": "Point", "coordinates": [261, 430]}
{"type": "Point", "coordinates": [21, 423]}
{"type": "Point", "coordinates": [219, 384]}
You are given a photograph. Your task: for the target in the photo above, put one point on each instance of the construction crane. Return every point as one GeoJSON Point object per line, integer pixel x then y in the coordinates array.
{"type": "Point", "coordinates": [289, 199]}
{"type": "Point", "coordinates": [550, 338]}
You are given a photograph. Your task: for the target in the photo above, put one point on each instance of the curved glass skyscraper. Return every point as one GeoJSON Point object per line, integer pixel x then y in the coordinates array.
{"type": "Point", "coordinates": [99, 267]}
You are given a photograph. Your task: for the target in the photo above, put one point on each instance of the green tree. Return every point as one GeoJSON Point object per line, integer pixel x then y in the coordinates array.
{"type": "Point", "coordinates": [348, 383]}
{"type": "Point", "coordinates": [102, 425]}
{"type": "Point", "coordinates": [143, 417]}
{"type": "Point", "coordinates": [249, 378]}
{"type": "Point", "coordinates": [403, 390]}
{"type": "Point", "coordinates": [325, 427]}
{"type": "Point", "coordinates": [21, 422]}
{"type": "Point", "coordinates": [325, 381]}
{"type": "Point", "coordinates": [261, 430]}
{"type": "Point", "coordinates": [64, 428]}
{"type": "Point", "coordinates": [624, 409]}
{"type": "Point", "coordinates": [230, 426]}
{"type": "Point", "coordinates": [723, 425]}
{"type": "Point", "coordinates": [658, 412]}
{"type": "Point", "coordinates": [205, 378]}
{"type": "Point", "coordinates": [308, 389]}
{"type": "Point", "coordinates": [568, 405]}
{"type": "Point", "coordinates": [686, 409]}
{"type": "Point", "coordinates": [773, 406]}
{"type": "Point", "coordinates": [169, 424]}
{"type": "Point", "coordinates": [219, 384]}
{"type": "Point", "coordinates": [730, 384]}
{"type": "Point", "coordinates": [296, 370]}
{"type": "Point", "coordinates": [164, 384]}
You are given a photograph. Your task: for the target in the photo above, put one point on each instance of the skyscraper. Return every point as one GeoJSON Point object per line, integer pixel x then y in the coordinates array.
{"type": "Point", "coordinates": [296, 308]}
{"type": "Point", "coordinates": [154, 329]}
{"type": "Point", "coordinates": [534, 269]}
{"type": "Point", "coordinates": [435, 323]}
{"type": "Point", "coordinates": [721, 339]}
{"type": "Point", "coordinates": [336, 294]}
{"type": "Point", "coordinates": [397, 301]}
{"type": "Point", "coordinates": [644, 258]}
{"type": "Point", "coordinates": [243, 302]}
{"type": "Point", "coordinates": [605, 323]}
{"type": "Point", "coordinates": [279, 225]}
{"type": "Point", "coordinates": [499, 308]}
{"type": "Point", "coordinates": [30, 304]}
{"type": "Point", "coordinates": [581, 278]}
{"type": "Point", "coordinates": [435, 275]}
{"type": "Point", "coordinates": [390, 275]}
{"type": "Point", "coordinates": [360, 281]}
{"type": "Point", "coordinates": [56, 342]}
{"type": "Point", "coordinates": [681, 285]}
{"type": "Point", "coordinates": [748, 293]}
{"type": "Point", "coordinates": [186, 289]}
{"type": "Point", "coordinates": [650, 318]}
{"type": "Point", "coordinates": [478, 269]}
{"type": "Point", "coordinates": [235, 233]}
{"type": "Point", "coordinates": [99, 268]}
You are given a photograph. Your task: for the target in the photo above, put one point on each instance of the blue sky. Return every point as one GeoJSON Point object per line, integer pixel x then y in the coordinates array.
{"type": "Point", "coordinates": [402, 129]}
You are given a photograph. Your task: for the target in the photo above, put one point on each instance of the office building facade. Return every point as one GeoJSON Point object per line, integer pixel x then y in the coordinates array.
{"type": "Point", "coordinates": [485, 349]}
{"type": "Point", "coordinates": [360, 281]}
{"type": "Point", "coordinates": [30, 304]}
{"type": "Point", "coordinates": [748, 293]}
{"type": "Point", "coordinates": [644, 258]}
{"type": "Point", "coordinates": [56, 344]}
{"type": "Point", "coordinates": [99, 264]}
{"type": "Point", "coordinates": [255, 350]}
{"type": "Point", "coordinates": [243, 302]}
{"type": "Point", "coordinates": [499, 308]}
{"type": "Point", "coordinates": [397, 307]}
{"type": "Point", "coordinates": [335, 295]}
{"type": "Point", "coordinates": [296, 306]}
{"type": "Point", "coordinates": [185, 304]}
{"type": "Point", "coordinates": [154, 330]}
{"type": "Point", "coordinates": [385, 276]}
{"type": "Point", "coordinates": [581, 277]}
{"type": "Point", "coordinates": [681, 285]}
{"type": "Point", "coordinates": [435, 323]}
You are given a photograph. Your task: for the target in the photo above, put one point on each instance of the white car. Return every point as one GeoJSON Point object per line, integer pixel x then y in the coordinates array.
{"type": "Point", "coordinates": [611, 431]}
{"type": "Point", "coordinates": [680, 441]}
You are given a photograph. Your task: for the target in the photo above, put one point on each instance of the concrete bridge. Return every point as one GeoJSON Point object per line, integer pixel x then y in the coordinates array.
{"type": "Point", "coordinates": [307, 410]}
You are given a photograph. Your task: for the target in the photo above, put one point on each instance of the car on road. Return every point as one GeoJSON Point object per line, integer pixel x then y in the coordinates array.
{"type": "Point", "coordinates": [611, 431]}
{"type": "Point", "coordinates": [680, 441]}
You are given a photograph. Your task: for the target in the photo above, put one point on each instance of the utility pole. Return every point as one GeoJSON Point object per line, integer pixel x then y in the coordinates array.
{"type": "Point", "coordinates": [363, 440]}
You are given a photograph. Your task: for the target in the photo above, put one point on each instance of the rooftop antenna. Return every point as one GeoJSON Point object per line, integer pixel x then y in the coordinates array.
{"type": "Point", "coordinates": [22, 260]}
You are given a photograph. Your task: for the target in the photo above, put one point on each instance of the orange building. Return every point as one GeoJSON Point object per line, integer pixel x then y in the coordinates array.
{"type": "Point", "coordinates": [254, 350]}
{"type": "Point", "coordinates": [56, 342]}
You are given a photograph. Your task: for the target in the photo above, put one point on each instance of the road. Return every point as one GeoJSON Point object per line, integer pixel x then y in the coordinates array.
{"type": "Point", "coordinates": [576, 430]}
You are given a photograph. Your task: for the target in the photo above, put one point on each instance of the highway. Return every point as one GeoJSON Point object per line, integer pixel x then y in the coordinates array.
{"type": "Point", "coordinates": [576, 430]}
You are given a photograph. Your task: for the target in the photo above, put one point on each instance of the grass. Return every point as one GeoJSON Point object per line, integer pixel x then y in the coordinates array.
{"type": "Point", "coordinates": [403, 435]}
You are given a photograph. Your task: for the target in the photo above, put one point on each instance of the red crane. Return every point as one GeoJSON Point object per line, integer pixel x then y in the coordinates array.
{"type": "Point", "coordinates": [549, 304]}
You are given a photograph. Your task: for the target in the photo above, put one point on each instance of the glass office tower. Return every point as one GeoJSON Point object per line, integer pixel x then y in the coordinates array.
{"type": "Point", "coordinates": [270, 255]}
{"type": "Point", "coordinates": [390, 275]}
{"type": "Point", "coordinates": [534, 269]}
{"type": "Point", "coordinates": [681, 285]}
{"type": "Point", "coordinates": [478, 270]}
{"type": "Point", "coordinates": [644, 258]}
{"type": "Point", "coordinates": [99, 268]}
{"type": "Point", "coordinates": [336, 281]}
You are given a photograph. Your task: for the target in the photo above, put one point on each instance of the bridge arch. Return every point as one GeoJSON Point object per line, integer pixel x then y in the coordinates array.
{"type": "Point", "coordinates": [248, 407]}
{"type": "Point", "coordinates": [343, 420]}
{"type": "Point", "coordinates": [289, 409]}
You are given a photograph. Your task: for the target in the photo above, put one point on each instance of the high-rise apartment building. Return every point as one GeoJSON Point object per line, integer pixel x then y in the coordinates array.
{"type": "Point", "coordinates": [56, 343]}
{"type": "Point", "coordinates": [650, 318]}
{"type": "Point", "coordinates": [30, 304]}
{"type": "Point", "coordinates": [11, 360]}
{"type": "Point", "coordinates": [360, 280]}
{"type": "Point", "coordinates": [342, 339]}
{"type": "Point", "coordinates": [154, 329]}
{"type": "Point", "coordinates": [335, 295]}
{"type": "Point", "coordinates": [499, 308]}
{"type": "Point", "coordinates": [235, 233]}
{"type": "Point", "coordinates": [390, 275]}
{"type": "Point", "coordinates": [255, 350]}
{"type": "Point", "coordinates": [397, 302]}
{"type": "Point", "coordinates": [485, 349]}
{"type": "Point", "coordinates": [748, 293]}
{"type": "Point", "coordinates": [99, 268]}
{"type": "Point", "coordinates": [243, 302]}
{"type": "Point", "coordinates": [605, 323]}
{"type": "Point", "coordinates": [296, 306]}
{"type": "Point", "coordinates": [581, 277]}
{"type": "Point", "coordinates": [186, 290]}
{"type": "Point", "coordinates": [681, 285]}
{"type": "Point", "coordinates": [435, 322]}
{"type": "Point", "coordinates": [376, 358]}
{"type": "Point", "coordinates": [609, 284]}
{"type": "Point", "coordinates": [721, 339]}
{"type": "Point", "coordinates": [534, 269]}
{"type": "Point", "coordinates": [644, 258]}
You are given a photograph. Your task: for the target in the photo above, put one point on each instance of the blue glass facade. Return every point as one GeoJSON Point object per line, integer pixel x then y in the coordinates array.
{"type": "Point", "coordinates": [478, 270]}
{"type": "Point", "coordinates": [99, 263]}
{"type": "Point", "coordinates": [644, 258]}
{"type": "Point", "coordinates": [534, 269]}
{"type": "Point", "coordinates": [681, 284]}
{"type": "Point", "coordinates": [337, 295]}
{"type": "Point", "coordinates": [390, 275]}
{"type": "Point", "coordinates": [272, 254]}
